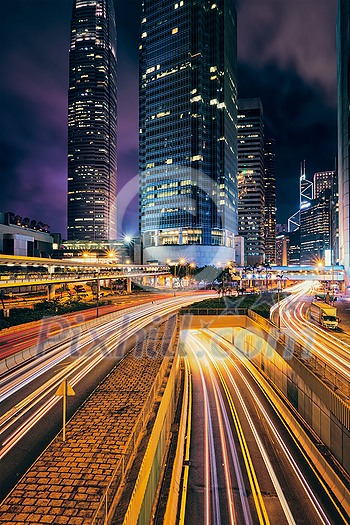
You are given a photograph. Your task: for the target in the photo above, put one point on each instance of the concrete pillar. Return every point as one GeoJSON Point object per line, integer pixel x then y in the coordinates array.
{"type": "Point", "coordinates": [128, 285]}
{"type": "Point", "coordinates": [155, 281]}
{"type": "Point", "coordinates": [51, 291]}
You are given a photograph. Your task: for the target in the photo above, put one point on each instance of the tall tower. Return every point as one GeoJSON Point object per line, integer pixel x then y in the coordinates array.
{"type": "Point", "coordinates": [270, 200]}
{"type": "Point", "coordinates": [188, 140]}
{"type": "Point", "coordinates": [92, 122]}
{"type": "Point", "coordinates": [306, 188]}
{"type": "Point", "coordinates": [251, 172]}
{"type": "Point", "coordinates": [343, 51]}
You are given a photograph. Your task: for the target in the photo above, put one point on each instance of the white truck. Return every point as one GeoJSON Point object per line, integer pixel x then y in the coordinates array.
{"type": "Point", "coordinates": [324, 314]}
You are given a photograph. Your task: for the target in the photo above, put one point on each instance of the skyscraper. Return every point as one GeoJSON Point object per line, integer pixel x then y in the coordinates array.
{"type": "Point", "coordinates": [270, 200]}
{"type": "Point", "coordinates": [315, 229]}
{"type": "Point", "coordinates": [326, 185]}
{"type": "Point", "coordinates": [323, 180]}
{"type": "Point", "coordinates": [251, 201]}
{"type": "Point", "coordinates": [92, 122]}
{"type": "Point", "coordinates": [188, 140]}
{"type": "Point", "coordinates": [343, 50]}
{"type": "Point", "coordinates": [306, 188]}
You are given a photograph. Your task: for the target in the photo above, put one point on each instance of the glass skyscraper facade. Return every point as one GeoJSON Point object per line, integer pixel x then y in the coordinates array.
{"type": "Point", "coordinates": [92, 122]}
{"type": "Point", "coordinates": [251, 187]}
{"type": "Point", "coordinates": [343, 50]}
{"type": "Point", "coordinates": [270, 200]}
{"type": "Point", "coordinates": [188, 138]}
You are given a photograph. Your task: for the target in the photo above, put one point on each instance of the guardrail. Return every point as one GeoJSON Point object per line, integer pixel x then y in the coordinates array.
{"type": "Point", "coordinates": [101, 513]}
{"type": "Point", "coordinates": [214, 311]}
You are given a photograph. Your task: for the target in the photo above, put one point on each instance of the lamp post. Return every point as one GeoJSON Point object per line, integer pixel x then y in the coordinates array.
{"type": "Point", "coordinates": [267, 266]}
{"type": "Point", "coordinates": [247, 269]}
{"type": "Point", "coordinates": [98, 278]}
{"type": "Point", "coordinates": [280, 277]}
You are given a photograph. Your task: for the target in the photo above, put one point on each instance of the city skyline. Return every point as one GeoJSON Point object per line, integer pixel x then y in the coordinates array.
{"type": "Point", "coordinates": [295, 78]}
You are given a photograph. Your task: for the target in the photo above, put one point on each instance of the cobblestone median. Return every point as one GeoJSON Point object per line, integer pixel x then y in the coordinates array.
{"type": "Point", "coordinates": [66, 483]}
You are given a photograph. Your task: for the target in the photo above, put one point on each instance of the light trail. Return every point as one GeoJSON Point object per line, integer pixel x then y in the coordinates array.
{"type": "Point", "coordinates": [260, 507]}
{"type": "Point", "coordinates": [210, 463]}
{"type": "Point", "coordinates": [35, 405]}
{"type": "Point", "coordinates": [258, 379]}
{"type": "Point", "coordinates": [223, 358]}
{"type": "Point", "coordinates": [316, 340]}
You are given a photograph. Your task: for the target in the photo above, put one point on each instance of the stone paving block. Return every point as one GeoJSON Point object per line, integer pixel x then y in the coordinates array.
{"type": "Point", "coordinates": [21, 517]}
{"type": "Point", "coordinates": [34, 518]}
{"type": "Point", "coordinates": [61, 519]}
{"type": "Point", "coordinates": [70, 512]}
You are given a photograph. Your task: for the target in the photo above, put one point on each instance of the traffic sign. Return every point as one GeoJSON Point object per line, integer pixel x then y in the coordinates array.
{"type": "Point", "coordinates": [65, 389]}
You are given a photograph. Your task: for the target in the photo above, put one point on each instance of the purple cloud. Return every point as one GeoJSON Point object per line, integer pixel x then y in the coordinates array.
{"type": "Point", "coordinates": [295, 34]}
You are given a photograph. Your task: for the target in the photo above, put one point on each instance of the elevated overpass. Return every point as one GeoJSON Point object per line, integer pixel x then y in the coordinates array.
{"type": "Point", "coordinates": [295, 273]}
{"type": "Point", "coordinates": [27, 271]}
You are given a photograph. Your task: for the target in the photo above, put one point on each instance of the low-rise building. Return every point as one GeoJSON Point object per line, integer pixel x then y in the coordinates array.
{"type": "Point", "coordinates": [20, 237]}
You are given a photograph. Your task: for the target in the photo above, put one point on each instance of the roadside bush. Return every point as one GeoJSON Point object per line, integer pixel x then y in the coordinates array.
{"type": "Point", "coordinates": [259, 303]}
{"type": "Point", "coordinates": [43, 309]}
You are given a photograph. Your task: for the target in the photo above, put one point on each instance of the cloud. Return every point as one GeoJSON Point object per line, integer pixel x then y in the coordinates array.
{"type": "Point", "coordinates": [303, 126]}
{"type": "Point", "coordinates": [292, 34]}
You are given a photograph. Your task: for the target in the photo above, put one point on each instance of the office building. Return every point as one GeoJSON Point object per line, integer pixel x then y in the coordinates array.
{"type": "Point", "coordinates": [323, 181]}
{"type": "Point", "coordinates": [281, 228]}
{"type": "Point", "coordinates": [92, 122]}
{"type": "Point", "coordinates": [335, 221]}
{"type": "Point", "coordinates": [294, 247]}
{"type": "Point", "coordinates": [270, 200]}
{"type": "Point", "coordinates": [343, 51]}
{"type": "Point", "coordinates": [24, 237]}
{"type": "Point", "coordinates": [326, 183]}
{"type": "Point", "coordinates": [240, 252]}
{"type": "Point", "coordinates": [251, 194]}
{"type": "Point", "coordinates": [188, 137]}
{"type": "Point", "coordinates": [282, 246]}
{"type": "Point", "coordinates": [315, 229]}
{"type": "Point", "coordinates": [294, 221]}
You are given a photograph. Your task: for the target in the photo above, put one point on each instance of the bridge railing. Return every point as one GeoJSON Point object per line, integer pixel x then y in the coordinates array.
{"type": "Point", "coordinates": [214, 311]}
{"type": "Point", "coordinates": [57, 277]}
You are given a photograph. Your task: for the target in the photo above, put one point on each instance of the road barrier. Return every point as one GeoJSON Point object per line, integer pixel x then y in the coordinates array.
{"type": "Point", "coordinates": [337, 381]}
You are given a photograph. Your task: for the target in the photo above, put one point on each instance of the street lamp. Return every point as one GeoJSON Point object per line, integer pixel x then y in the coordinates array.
{"type": "Point", "coordinates": [98, 278]}
{"type": "Point", "coordinates": [267, 266]}
{"type": "Point", "coordinates": [280, 277]}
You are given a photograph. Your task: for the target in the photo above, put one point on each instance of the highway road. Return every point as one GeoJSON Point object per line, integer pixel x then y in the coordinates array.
{"type": "Point", "coordinates": [22, 337]}
{"type": "Point", "coordinates": [244, 467]}
{"type": "Point", "coordinates": [321, 342]}
{"type": "Point", "coordinates": [30, 413]}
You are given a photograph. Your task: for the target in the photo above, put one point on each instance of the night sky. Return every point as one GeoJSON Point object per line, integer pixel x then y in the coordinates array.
{"type": "Point", "coordinates": [286, 56]}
